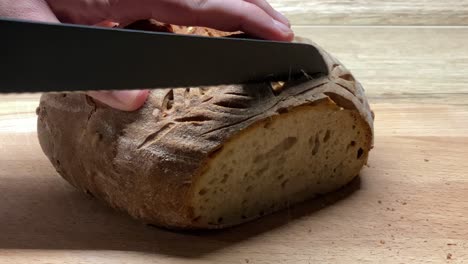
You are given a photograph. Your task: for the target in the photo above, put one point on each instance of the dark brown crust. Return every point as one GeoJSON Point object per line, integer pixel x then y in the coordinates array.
{"type": "Point", "coordinates": [144, 162]}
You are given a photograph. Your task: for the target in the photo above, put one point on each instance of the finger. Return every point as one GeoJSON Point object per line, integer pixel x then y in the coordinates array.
{"type": "Point", "coordinates": [89, 12]}
{"type": "Point", "coordinates": [265, 6]}
{"type": "Point", "coordinates": [241, 15]}
{"type": "Point", "coordinates": [226, 15]}
{"type": "Point", "coordinates": [123, 100]}
{"type": "Point", "coordinates": [36, 10]}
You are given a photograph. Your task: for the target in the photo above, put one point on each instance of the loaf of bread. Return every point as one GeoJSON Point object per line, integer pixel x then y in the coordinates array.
{"type": "Point", "coordinates": [212, 157]}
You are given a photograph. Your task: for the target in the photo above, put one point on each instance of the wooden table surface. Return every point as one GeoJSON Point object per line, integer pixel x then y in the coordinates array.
{"type": "Point", "coordinates": [410, 204]}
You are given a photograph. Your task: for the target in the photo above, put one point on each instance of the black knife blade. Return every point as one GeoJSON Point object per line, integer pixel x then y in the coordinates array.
{"type": "Point", "coordinates": [47, 57]}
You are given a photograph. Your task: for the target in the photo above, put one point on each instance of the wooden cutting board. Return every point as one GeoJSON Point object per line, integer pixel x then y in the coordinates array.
{"type": "Point", "coordinates": [410, 204]}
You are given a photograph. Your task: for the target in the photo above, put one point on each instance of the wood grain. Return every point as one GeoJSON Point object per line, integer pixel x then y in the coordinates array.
{"type": "Point", "coordinates": [374, 12]}
{"type": "Point", "coordinates": [408, 206]}
{"type": "Point", "coordinates": [401, 64]}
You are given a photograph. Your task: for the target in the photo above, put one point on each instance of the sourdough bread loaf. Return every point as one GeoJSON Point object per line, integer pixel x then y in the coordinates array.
{"type": "Point", "coordinates": [212, 157]}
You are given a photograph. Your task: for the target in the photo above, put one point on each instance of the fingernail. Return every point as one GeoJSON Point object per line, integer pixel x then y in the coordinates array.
{"type": "Point", "coordinates": [282, 27]}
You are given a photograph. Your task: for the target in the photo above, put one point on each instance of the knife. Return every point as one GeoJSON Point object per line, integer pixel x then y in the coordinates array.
{"type": "Point", "coordinates": [48, 57]}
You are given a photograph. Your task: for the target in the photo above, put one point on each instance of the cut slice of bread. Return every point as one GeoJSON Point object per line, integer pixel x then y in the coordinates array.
{"type": "Point", "coordinates": [212, 157]}
{"type": "Point", "coordinates": [280, 161]}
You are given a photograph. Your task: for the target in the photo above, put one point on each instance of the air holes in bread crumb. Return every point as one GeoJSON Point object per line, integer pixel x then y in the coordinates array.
{"type": "Point", "coordinates": [327, 136]}
{"type": "Point", "coordinates": [359, 153]}
{"type": "Point", "coordinates": [262, 170]}
{"type": "Point", "coordinates": [225, 178]}
{"type": "Point", "coordinates": [316, 145]}
{"type": "Point", "coordinates": [351, 144]}
{"type": "Point", "coordinates": [288, 143]}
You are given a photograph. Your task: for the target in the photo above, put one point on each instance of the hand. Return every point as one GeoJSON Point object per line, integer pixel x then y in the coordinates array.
{"type": "Point", "coordinates": [255, 17]}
